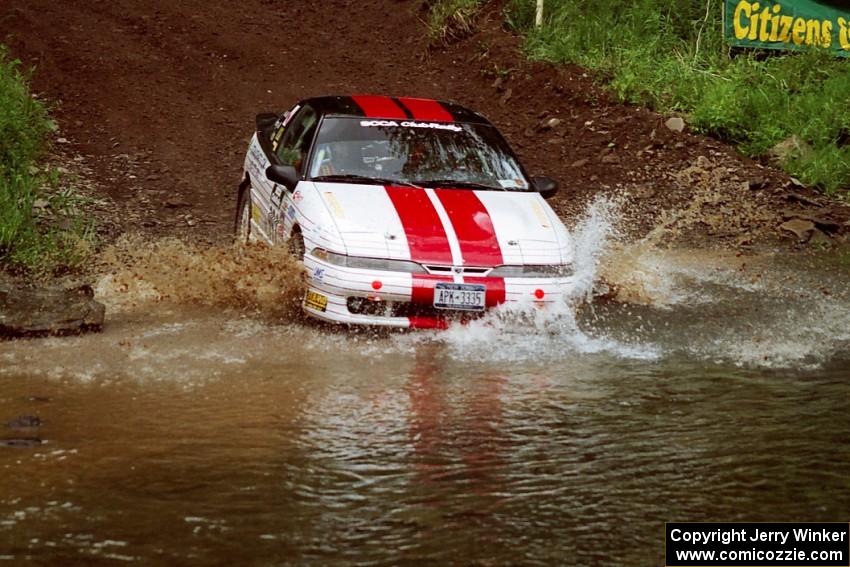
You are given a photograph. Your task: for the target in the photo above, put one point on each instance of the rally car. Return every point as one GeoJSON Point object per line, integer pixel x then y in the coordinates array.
{"type": "Point", "coordinates": [406, 212]}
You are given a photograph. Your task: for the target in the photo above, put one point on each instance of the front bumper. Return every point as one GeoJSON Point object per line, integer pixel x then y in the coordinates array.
{"type": "Point", "coordinates": [398, 299]}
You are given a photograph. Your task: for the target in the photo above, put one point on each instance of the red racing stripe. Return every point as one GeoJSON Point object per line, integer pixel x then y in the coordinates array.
{"type": "Point", "coordinates": [379, 107]}
{"type": "Point", "coordinates": [428, 323]}
{"type": "Point", "coordinates": [425, 234]}
{"type": "Point", "coordinates": [495, 294]}
{"type": "Point", "coordinates": [424, 109]}
{"type": "Point", "coordinates": [473, 227]}
{"type": "Point", "coordinates": [423, 287]}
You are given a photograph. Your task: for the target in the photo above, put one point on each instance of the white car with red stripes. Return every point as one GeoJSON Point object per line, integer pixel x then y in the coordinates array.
{"type": "Point", "coordinates": [407, 212]}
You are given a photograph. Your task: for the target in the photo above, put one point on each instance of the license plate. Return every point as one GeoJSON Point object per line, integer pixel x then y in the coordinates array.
{"type": "Point", "coordinates": [464, 297]}
{"type": "Point", "coordinates": [316, 301]}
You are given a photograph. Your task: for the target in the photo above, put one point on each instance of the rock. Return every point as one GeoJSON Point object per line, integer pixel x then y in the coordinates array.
{"type": "Point", "coordinates": [506, 97]}
{"type": "Point", "coordinates": [802, 229]}
{"type": "Point", "coordinates": [790, 148]}
{"type": "Point", "coordinates": [48, 311]}
{"type": "Point", "coordinates": [610, 159]}
{"type": "Point", "coordinates": [820, 239]}
{"type": "Point", "coordinates": [176, 203]}
{"type": "Point", "coordinates": [21, 442]}
{"type": "Point", "coordinates": [756, 183]}
{"type": "Point", "coordinates": [703, 162]}
{"type": "Point", "coordinates": [552, 123]}
{"type": "Point", "coordinates": [580, 163]}
{"type": "Point", "coordinates": [675, 123]}
{"type": "Point", "coordinates": [821, 223]}
{"type": "Point", "coordinates": [646, 192]}
{"type": "Point", "coordinates": [802, 199]}
{"type": "Point", "coordinates": [24, 421]}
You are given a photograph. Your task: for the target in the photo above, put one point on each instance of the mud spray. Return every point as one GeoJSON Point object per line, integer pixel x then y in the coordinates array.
{"type": "Point", "coordinates": [178, 311]}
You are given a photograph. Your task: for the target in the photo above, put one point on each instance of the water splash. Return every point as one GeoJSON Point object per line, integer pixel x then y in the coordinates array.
{"type": "Point", "coordinates": [530, 331]}
{"type": "Point", "coordinates": [592, 236]}
{"type": "Point", "coordinates": [184, 310]}
{"type": "Point", "coordinates": [772, 310]}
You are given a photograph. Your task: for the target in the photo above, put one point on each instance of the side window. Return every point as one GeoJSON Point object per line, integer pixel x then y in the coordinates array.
{"type": "Point", "coordinates": [297, 137]}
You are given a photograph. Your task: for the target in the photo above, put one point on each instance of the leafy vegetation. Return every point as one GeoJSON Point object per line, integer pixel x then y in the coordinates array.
{"type": "Point", "coordinates": [41, 228]}
{"type": "Point", "coordinates": [448, 19]}
{"type": "Point", "coordinates": [670, 55]}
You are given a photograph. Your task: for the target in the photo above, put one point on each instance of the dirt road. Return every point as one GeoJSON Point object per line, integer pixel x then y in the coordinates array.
{"type": "Point", "coordinates": [160, 98]}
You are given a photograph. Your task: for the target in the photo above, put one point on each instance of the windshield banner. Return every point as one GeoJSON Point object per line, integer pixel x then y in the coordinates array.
{"type": "Point", "coordinates": [788, 24]}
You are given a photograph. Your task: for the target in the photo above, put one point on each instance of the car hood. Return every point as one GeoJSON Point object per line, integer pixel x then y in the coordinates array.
{"type": "Point", "coordinates": [446, 226]}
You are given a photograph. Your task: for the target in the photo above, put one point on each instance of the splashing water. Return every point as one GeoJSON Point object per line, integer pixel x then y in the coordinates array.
{"type": "Point", "coordinates": [525, 331]}
{"type": "Point", "coordinates": [172, 305]}
{"type": "Point", "coordinates": [772, 310]}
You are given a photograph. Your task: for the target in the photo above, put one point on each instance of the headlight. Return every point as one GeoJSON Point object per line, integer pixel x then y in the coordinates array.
{"type": "Point", "coordinates": [532, 271]}
{"type": "Point", "coordinates": [364, 263]}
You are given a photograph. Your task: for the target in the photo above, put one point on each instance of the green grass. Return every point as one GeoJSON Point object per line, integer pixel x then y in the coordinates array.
{"type": "Point", "coordinates": [670, 56]}
{"type": "Point", "coordinates": [41, 228]}
{"type": "Point", "coordinates": [451, 19]}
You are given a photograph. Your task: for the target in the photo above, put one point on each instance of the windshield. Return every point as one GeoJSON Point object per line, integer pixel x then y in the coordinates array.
{"type": "Point", "coordinates": [413, 152]}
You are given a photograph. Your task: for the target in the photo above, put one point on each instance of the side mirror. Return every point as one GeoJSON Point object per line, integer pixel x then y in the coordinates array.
{"type": "Point", "coordinates": [546, 186]}
{"type": "Point", "coordinates": [265, 120]}
{"type": "Point", "coordinates": [283, 174]}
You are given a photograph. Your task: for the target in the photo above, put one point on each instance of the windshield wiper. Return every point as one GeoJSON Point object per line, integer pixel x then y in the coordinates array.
{"type": "Point", "coordinates": [343, 177]}
{"type": "Point", "coordinates": [449, 183]}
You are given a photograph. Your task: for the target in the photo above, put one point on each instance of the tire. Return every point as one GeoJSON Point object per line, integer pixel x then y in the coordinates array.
{"type": "Point", "coordinates": [242, 224]}
{"type": "Point", "coordinates": [296, 246]}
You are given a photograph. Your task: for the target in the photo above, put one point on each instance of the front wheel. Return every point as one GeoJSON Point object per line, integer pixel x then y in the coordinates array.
{"type": "Point", "coordinates": [296, 246]}
{"type": "Point", "coordinates": [242, 226]}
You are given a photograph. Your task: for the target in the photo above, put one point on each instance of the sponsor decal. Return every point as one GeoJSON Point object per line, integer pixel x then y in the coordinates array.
{"type": "Point", "coordinates": [334, 205]}
{"type": "Point", "coordinates": [276, 138]}
{"type": "Point", "coordinates": [290, 211]}
{"type": "Point", "coordinates": [271, 221]}
{"type": "Point", "coordinates": [289, 115]}
{"type": "Point", "coordinates": [538, 212]}
{"type": "Point", "coordinates": [297, 196]}
{"type": "Point", "coordinates": [257, 153]}
{"type": "Point", "coordinates": [316, 301]}
{"type": "Point", "coordinates": [788, 24]}
{"type": "Point", "coordinates": [319, 274]}
{"type": "Point", "coordinates": [256, 213]}
{"type": "Point", "coordinates": [410, 124]}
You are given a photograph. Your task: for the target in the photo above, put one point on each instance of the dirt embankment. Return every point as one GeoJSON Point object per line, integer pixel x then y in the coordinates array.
{"type": "Point", "coordinates": [159, 98]}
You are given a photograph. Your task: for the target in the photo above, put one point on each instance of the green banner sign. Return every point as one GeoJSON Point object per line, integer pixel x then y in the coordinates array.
{"type": "Point", "coordinates": [788, 24]}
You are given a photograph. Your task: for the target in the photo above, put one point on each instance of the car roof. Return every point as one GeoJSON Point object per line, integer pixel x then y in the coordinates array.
{"type": "Point", "coordinates": [394, 108]}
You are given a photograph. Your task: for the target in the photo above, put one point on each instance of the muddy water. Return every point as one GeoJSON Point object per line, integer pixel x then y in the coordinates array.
{"type": "Point", "coordinates": [201, 430]}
